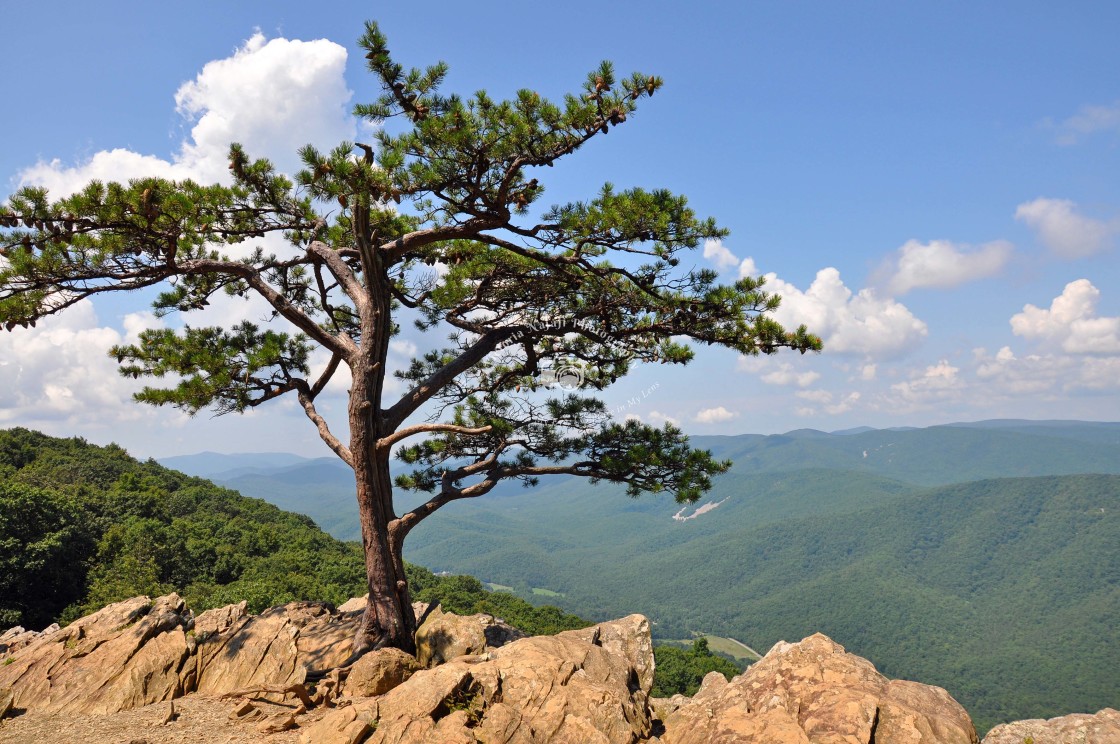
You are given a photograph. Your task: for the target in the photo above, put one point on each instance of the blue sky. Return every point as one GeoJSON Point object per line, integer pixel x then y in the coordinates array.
{"type": "Point", "coordinates": [933, 187]}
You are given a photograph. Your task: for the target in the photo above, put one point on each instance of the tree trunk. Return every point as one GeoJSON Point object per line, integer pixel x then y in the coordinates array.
{"type": "Point", "coordinates": [388, 619]}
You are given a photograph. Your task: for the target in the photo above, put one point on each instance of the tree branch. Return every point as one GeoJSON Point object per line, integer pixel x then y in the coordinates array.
{"type": "Point", "coordinates": [341, 345]}
{"type": "Point", "coordinates": [306, 399]}
{"type": "Point", "coordinates": [410, 431]}
{"type": "Point", "coordinates": [449, 493]}
{"type": "Point", "coordinates": [328, 373]}
{"type": "Point", "coordinates": [396, 249]}
{"type": "Point", "coordinates": [341, 272]}
{"type": "Point", "coordinates": [417, 396]}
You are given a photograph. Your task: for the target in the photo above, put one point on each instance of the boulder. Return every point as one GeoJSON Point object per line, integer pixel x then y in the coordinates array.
{"type": "Point", "coordinates": [379, 671]}
{"type": "Point", "coordinates": [349, 725]}
{"type": "Point", "coordinates": [814, 691]}
{"type": "Point", "coordinates": [141, 651]}
{"type": "Point", "coordinates": [1102, 727]}
{"type": "Point", "coordinates": [563, 688]}
{"type": "Point", "coordinates": [279, 647]}
{"type": "Point", "coordinates": [126, 655]}
{"type": "Point", "coordinates": [219, 620]}
{"type": "Point", "coordinates": [444, 636]}
{"type": "Point", "coordinates": [628, 638]}
{"type": "Point", "coordinates": [662, 708]}
{"type": "Point", "coordinates": [354, 604]}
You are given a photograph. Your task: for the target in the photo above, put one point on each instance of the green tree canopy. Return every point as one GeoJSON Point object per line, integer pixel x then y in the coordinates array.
{"type": "Point", "coordinates": [680, 671]}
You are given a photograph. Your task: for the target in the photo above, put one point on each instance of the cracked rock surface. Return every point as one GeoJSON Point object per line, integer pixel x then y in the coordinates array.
{"type": "Point", "coordinates": [814, 691]}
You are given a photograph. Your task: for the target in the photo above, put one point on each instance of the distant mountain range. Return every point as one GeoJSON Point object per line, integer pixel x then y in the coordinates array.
{"type": "Point", "coordinates": [979, 556]}
{"type": "Point", "coordinates": [322, 488]}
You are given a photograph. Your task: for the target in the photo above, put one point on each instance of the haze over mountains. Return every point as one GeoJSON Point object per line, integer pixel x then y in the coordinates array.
{"type": "Point", "coordinates": [322, 487]}
{"type": "Point", "coordinates": [981, 557]}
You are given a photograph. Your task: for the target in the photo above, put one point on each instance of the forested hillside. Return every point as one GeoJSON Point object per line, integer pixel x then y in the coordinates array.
{"type": "Point", "coordinates": [81, 526]}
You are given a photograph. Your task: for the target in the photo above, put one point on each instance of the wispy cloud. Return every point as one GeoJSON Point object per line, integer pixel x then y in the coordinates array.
{"type": "Point", "coordinates": [1063, 230]}
{"type": "Point", "coordinates": [1088, 120]}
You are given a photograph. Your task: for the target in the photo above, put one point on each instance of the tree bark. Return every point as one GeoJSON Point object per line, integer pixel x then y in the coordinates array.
{"type": "Point", "coordinates": [388, 620]}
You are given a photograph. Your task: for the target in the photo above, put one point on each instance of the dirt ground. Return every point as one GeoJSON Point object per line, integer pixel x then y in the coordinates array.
{"type": "Point", "coordinates": [198, 720]}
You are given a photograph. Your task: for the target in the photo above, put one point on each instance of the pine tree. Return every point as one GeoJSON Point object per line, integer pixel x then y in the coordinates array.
{"type": "Point", "coordinates": [432, 220]}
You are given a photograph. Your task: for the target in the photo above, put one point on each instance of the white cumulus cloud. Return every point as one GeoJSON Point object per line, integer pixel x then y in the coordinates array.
{"type": "Point", "coordinates": [1071, 323]}
{"type": "Point", "coordinates": [108, 165]}
{"type": "Point", "coordinates": [60, 370]}
{"type": "Point", "coordinates": [859, 323]}
{"type": "Point", "coordinates": [404, 347]}
{"type": "Point", "coordinates": [748, 268]}
{"type": "Point", "coordinates": [1064, 231]}
{"type": "Point", "coordinates": [827, 402]}
{"type": "Point", "coordinates": [272, 96]}
{"type": "Point", "coordinates": [714, 415]}
{"type": "Point", "coordinates": [657, 418]}
{"type": "Point", "coordinates": [942, 264]}
{"type": "Point", "coordinates": [815, 396]}
{"type": "Point", "coordinates": [937, 383]}
{"type": "Point", "coordinates": [716, 252]}
{"type": "Point", "coordinates": [277, 95]}
{"type": "Point", "coordinates": [1045, 375]}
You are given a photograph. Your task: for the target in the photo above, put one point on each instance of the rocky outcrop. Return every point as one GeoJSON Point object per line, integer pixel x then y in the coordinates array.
{"type": "Point", "coordinates": [813, 691]}
{"type": "Point", "coordinates": [141, 651]}
{"type": "Point", "coordinates": [628, 638]}
{"type": "Point", "coordinates": [483, 683]}
{"type": "Point", "coordinates": [444, 636]}
{"type": "Point", "coordinates": [564, 688]}
{"type": "Point", "coordinates": [279, 647]}
{"type": "Point", "coordinates": [358, 604]}
{"type": "Point", "coordinates": [1102, 727]}
{"type": "Point", "coordinates": [13, 639]}
{"type": "Point", "coordinates": [126, 655]}
{"type": "Point", "coordinates": [7, 700]}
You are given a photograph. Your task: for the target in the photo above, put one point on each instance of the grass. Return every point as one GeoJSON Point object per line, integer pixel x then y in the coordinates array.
{"type": "Point", "coordinates": [717, 644]}
{"type": "Point", "coordinates": [540, 592]}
